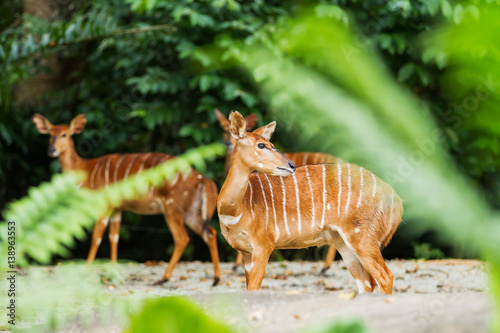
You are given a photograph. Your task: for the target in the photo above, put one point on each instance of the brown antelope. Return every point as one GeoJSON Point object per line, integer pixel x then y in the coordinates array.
{"type": "Point", "coordinates": [298, 159]}
{"type": "Point", "coordinates": [185, 199]}
{"type": "Point", "coordinates": [281, 207]}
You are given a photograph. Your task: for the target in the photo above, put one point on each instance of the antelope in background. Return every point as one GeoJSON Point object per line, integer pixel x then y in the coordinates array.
{"type": "Point", "coordinates": [341, 204]}
{"type": "Point", "coordinates": [299, 159]}
{"type": "Point", "coordinates": [189, 200]}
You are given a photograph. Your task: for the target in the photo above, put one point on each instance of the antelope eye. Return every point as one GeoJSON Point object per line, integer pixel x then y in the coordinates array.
{"type": "Point", "coordinates": [64, 135]}
{"type": "Point", "coordinates": [261, 145]}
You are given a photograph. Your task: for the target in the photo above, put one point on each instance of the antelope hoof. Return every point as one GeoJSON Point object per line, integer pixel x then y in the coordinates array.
{"type": "Point", "coordinates": [323, 271]}
{"type": "Point", "coordinates": [235, 268]}
{"type": "Point", "coordinates": [216, 282]}
{"type": "Point", "coordinates": [160, 282]}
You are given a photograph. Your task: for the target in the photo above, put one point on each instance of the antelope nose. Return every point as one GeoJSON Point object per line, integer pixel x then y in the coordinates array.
{"type": "Point", "coordinates": [51, 151]}
{"type": "Point", "coordinates": [292, 166]}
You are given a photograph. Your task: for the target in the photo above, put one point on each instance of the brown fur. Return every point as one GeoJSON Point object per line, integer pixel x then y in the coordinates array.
{"type": "Point", "coordinates": [186, 199]}
{"type": "Point", "coordinates": [299, 159]}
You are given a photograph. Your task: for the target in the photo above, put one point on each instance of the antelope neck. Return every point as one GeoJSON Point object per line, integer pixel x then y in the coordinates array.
{"type": "Point", "coordinates": [234, 189]}
{"type": "Point", "coordinates": [69, 159]}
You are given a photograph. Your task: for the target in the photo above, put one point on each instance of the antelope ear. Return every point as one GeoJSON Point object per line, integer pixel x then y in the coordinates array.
{"type": "Point", "coordinates": [237, 125]}
{"type": "Point", "coordinates": [224, 123]}
{"type": "Point", "coordinates": [42, 124]}
{"type": "Point", "coordinates": [78, 124]}
{"type": "Point", "coordinates": [251, 120]}
{"type": "Point", "coordinates": [266, 131]}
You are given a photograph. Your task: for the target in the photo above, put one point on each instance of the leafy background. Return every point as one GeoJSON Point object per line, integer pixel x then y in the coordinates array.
{"type": "Point", "coordinates": [144, 75]}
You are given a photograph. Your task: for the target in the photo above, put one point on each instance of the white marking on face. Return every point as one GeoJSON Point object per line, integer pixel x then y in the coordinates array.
{"type": "Point", "coordinates": [130, 165]}
{"type": "Point", "coordinates": [323, 176]}
{"type": "Point", "coordinates": [284, 206]}
{"type": "Point", "coordinates": [276, 229]}
{"type": "Point", "coordinates": [374, 185]}
{"type": "Point", "coordinates": [360, 187]}
{"type": "Point", "coordinates": [256, 154]}
{"type": "Point", "coordinates": [356, 230]}
{"type": "Point", "coordinates": [339, 167]}
{"type": "Point", "coordinates": [260, 165]}
{"type": "Point", "coordinates": [117, 166]}
{"type": "Point", "coordinates": [229, 220]}
{"type": "Point", "coordinates": [200, 176]}
{"type": "Point", "coordinates": [299, 225]}
{"type": "Point", "coordinates": [312, 198]}
{"type": "Point", "coordinates": [265, 200]}
{"type": "Point", "coordinates": [349, 187]}
{"type": "Point", "coordinates": [114, 238]}
{"type": "Point", "coordinates": [98, 241]}
{"type": "Point", "coordinates": [169, 201]}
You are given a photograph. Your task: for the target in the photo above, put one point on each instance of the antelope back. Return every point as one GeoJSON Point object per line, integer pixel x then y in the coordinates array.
{"type": "Point", "coordinates": [311, 158]}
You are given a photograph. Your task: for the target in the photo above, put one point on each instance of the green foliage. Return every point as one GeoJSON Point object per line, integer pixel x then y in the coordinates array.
{"type": "Point", "coordinates": [175, 315]}
{"type": "Point", "coordinates": [426, 251]}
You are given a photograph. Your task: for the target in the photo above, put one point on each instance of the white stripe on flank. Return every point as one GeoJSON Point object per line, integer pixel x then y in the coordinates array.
{"type": "Point", "coordinates": [130, 166]}
{"type": "Point", "coordinates": [304, 160]}
{"type": "Point", "coordinates": [106, 174]}
{"type": "Point", "coordinates": [117, 166]}
{"type": "Point", "coordinates": [312, 198]}
{"type": "Point", "coordinates": [374, 185]}
{"type": "Point", "coordinates": [360, 187]}
{"type": "Point", "coordinates": [251, 199]}
{"type": "Point", "coordinates": [284, 205]}
{"type": "Point", "coordinates": [277, 230]}
{"type": "Point", "coordinates": [265, 200]}
{"type": "Point", "coordinates": [204, 204]}
{"type": "Point", "coordinates": [339, 167]}
{"type": "Point", "coordinates": [349, 187]}
{"type": "Point", "coordinates": [93, 173]}
{"type": "Point", "coordinates": [324, 196]}
{"type": "Point", "coordinates": [174, 181]}
{"type": "Point", "coordinates": [144, 159]}
{"type": "Point", "coordinates": [299, 226]}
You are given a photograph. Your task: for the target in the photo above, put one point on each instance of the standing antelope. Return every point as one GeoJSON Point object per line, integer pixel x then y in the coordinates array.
{"type": "Point", "coordinates": [340, 203]}
{"type": "Point", "coordinates": [298, 159]}
{"type": "Point", "coordinates": [185, 199]}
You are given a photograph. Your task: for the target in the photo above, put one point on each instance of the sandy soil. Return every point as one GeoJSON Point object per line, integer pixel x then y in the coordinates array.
{"type": "Point", "coordinates": [429, 296]}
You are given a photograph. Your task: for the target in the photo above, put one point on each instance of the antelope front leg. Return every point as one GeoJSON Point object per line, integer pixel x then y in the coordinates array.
{"type": "Point", "coordinates": [114, 233]}
{"type": "Point", "coordinates": [255, 268]}
{"type": "Point", "coordinates": [99, 228]}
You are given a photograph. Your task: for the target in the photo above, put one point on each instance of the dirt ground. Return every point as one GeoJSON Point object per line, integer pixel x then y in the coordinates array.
{"type": "Point", "coordinates": [429, 296]}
